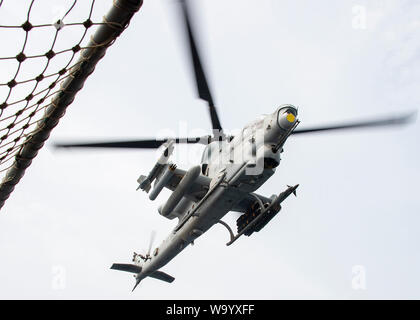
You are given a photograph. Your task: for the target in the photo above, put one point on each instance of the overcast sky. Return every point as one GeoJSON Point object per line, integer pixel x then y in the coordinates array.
{"type": "Point", "coordinates": [76, 212]}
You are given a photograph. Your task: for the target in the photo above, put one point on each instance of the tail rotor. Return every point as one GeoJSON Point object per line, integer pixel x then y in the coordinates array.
{"type": "Point", "coordinates": [148, 255]}
{"type": "Point", "coordinates": [152, 240]}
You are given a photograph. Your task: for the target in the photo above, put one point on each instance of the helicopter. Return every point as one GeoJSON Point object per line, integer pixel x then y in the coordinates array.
{"type": "Point", "coordinates": [232, 169]}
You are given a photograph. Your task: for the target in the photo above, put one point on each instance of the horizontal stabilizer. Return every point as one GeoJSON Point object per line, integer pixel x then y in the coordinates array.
{"type": "Point", "coordinates": [126, 267]}
{"type": "Point", "coordinates": [162, 276]}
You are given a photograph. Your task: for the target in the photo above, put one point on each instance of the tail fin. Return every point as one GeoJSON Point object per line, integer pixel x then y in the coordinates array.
{"type": "Point", "coordinates": [135, 286]}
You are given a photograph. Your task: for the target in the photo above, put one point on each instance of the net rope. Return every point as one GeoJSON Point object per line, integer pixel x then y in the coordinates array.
{"type": "Point", "coordinates": [18, 116]}
{"type": "Point", "coordinates": [38, 53]}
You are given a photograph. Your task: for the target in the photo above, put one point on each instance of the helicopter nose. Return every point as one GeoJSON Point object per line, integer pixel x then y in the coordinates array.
{"type": "Point", "coordinates": [286, 117]}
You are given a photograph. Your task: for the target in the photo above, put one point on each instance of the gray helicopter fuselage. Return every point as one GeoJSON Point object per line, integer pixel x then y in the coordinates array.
{"type": "Point", "coordinates": [236, 168]}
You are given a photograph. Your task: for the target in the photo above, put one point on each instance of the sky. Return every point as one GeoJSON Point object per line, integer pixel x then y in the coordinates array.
{"type": "Point", "coordinates": [352, 231]}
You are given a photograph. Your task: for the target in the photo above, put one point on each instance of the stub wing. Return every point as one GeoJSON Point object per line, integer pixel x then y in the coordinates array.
{"type": "Point", "coordinates": [169, 176]}
{"type": "Point", "coordinates": [260, 213]}
{"type": "Point", "coordinates": [165, 174]}
{"type": "Point", "coordinates": [249, 199]}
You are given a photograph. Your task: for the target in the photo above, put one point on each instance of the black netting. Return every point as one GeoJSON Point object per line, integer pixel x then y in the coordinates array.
{"type": "Point", "coordinates": [47, 50]}
{"type": "Point", "coordinates": [25, 93]}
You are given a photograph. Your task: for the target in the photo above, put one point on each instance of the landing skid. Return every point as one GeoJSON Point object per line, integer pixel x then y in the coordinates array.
{"type": "Point", "coordinates": [232, 235]}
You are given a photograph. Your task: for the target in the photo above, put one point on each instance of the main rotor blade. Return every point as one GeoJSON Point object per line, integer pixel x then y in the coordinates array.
{"type": "Point", "coordinates": [152, 239]}
{"type": "Point", "coordinates": [392, 121]}
{"type": "Point", "coordinates": [200, 77]}
{"type": "Point", "coordinates": [134, 144]}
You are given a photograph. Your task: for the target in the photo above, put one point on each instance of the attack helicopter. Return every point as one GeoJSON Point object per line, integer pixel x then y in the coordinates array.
{"type": "Point", "coordinates": [232, 169]}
